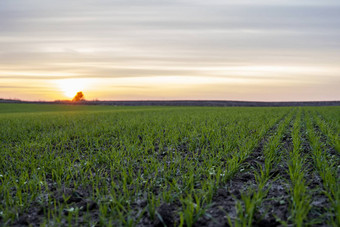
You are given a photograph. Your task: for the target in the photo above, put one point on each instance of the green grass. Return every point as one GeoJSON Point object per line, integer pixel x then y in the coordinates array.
{"type": "Point", "coordinates": [108, 165]}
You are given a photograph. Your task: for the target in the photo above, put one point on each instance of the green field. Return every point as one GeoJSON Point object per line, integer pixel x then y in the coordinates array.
{"type": "Point", "coordinates": [176, 166]}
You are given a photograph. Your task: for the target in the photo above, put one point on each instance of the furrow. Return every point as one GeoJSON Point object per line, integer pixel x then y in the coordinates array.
{"type": "Point", "coordinates": [327, 166]}
{"type": "Point", "coordinates": [225, 208]}
{"type": "Point", "coordinates": [332, 137]}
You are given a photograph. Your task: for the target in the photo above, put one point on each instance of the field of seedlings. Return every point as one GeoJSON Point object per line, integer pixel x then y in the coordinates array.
{"type": "Point", "coordinates": [169, 166]}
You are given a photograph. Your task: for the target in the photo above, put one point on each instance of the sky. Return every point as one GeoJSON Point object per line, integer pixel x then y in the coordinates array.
{"type": "Point", "coordinates": [277, 50]}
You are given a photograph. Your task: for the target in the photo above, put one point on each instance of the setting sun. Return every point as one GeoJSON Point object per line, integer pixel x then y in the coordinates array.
{"type": "Point", "coordinates": [70, 87]}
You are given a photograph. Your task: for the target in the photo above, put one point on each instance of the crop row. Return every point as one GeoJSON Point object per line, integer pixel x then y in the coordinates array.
{"type": "Point", "coordinates": [166, 165]}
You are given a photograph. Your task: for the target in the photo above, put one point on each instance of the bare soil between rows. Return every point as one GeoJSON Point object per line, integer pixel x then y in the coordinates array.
{"type": "Point", "coordinates": [273, 210]}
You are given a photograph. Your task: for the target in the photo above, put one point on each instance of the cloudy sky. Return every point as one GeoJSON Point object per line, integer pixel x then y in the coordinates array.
{"type": "Point", "coordinates": [167, 49]}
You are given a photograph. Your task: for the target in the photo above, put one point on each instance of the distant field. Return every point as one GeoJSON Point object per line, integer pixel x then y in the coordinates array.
{"type": "Point", "coordinates": [30, 108]}
{"type": "Point", "coordinates": [71, 165]}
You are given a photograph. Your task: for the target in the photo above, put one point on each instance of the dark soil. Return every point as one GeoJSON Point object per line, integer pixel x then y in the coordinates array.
{"type": "Point", "coordinates": [274, 208]}
{"type": "Point", "coordinates": [224, 202]}
{"type": "Point", "coordinates": [166, 215]}
{"type": "Point", "coordinates": [320, 200]}
{"type": "Point", "coordinates": [74, 199]}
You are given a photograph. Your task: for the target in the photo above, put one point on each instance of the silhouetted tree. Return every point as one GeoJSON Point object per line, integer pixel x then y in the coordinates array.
{"type": "Point", "coordinates": [79, 97]}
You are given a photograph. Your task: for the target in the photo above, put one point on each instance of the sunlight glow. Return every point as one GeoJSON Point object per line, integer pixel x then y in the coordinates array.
{"type": "Point", "coordinates": [70, 87]}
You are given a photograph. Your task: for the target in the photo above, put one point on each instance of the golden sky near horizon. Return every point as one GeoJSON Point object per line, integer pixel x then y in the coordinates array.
{"type": "Point", "coordinates": [158, 50]}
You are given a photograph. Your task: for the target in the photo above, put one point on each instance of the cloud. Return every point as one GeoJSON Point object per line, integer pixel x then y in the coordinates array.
{"type": "Point", "coordinates": [107, 39]}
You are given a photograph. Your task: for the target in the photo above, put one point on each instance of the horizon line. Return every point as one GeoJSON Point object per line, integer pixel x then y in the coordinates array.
{"type": "Point", "coordinates": [159, 100]}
